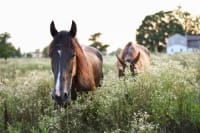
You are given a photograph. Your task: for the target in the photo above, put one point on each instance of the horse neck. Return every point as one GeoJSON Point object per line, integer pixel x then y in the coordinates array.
{"type": "Point", "coordinates": [82, 67]}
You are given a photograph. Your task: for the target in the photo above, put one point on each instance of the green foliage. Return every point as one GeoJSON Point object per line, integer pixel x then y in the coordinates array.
{"type": "Point", "coordinates": [6, 48]}
{"type": "Point", "coordinates": [28, 55]}
{"type": "Point", "coordinates": [18, 53]}
{"type": "Point", "coordinates": [165, 98]}
{"type": "Point", "coordinates": [45, 51]}
{"type": "Point", "coordinates": [97, 44]}
{"type": "Point", "coordinates": [25, 101]}
{"type": "Point", "coordinates": [190, 22]}
{"type": "Point", "coordinates": [117, 52]}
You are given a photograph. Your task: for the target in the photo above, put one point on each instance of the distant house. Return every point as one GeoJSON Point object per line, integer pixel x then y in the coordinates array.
{"type": "Point", "coordinates": [193, 43]}
{"type": "Point", "coordinates": [37, 54]}
{"type": "Point", "coordinates": [178, 44]}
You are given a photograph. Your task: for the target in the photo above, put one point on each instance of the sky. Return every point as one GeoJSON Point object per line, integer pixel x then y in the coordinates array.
{"type": "Point", "coordinates": [28, 21]}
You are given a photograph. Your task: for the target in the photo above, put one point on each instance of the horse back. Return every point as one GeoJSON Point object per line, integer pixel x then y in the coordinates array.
{"type": "Point", "coordinates": [144, 60]}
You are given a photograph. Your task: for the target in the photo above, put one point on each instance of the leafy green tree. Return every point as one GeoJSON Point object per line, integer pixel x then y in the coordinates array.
{"type": "Point", "coordinates": [45, 51]}
{"type": "Point", "coordinates": [97, 44]}
{"type": "Point", "coordinates": [28, 55]}
{"type": "Point", "coordinates": [156, 28]}
{"type": "Point", "coordinates": [191, 23]}
{"type": "Point", "coordinates": [116, 52]}
{"type": "Point", "coordinates": [6, 48]}
{"type": "Point", "coordinates": [18, 53]}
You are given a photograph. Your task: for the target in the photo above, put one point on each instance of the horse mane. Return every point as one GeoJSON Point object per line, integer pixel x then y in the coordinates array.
{"type": "Point", "coordinates": [83, 71]}
{"type": "Point", "coordinates": [50, 48]}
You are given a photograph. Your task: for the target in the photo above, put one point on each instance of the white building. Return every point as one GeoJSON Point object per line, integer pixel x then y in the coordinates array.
{"type": "Point", "coordinates": [178, 44]}
{"type": "Point", "coordinates": [193, 43]}
{"type": "Point", "coordinates": [37, 54]}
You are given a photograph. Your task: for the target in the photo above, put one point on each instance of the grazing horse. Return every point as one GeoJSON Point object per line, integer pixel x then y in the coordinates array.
{"type": "Point", "coordinates": [136, 55]}
{"type": "Point", "coordinates": [75, 68]}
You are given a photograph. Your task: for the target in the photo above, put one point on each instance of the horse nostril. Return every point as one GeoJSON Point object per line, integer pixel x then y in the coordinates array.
{"type": "Point", "coordinates": [65, 95]}
{"type": "Point", "coordinates": [128, 60]}
{"type": "Point", "coordinates": [52, 96]}
{"type": "Point", "coordinates": [57, 97]}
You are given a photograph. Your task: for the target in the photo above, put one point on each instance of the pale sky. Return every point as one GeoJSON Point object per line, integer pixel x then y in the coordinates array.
{"type": "Point", "coordinates": [28, 21]}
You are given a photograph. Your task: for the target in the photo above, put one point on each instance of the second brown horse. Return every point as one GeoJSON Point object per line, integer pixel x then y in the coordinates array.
{"type": "Point", "coordinates": [136, 55]}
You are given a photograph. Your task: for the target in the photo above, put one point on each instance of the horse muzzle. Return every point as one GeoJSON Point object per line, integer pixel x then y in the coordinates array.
{"type": "Point", "coordinates": [63, 99]}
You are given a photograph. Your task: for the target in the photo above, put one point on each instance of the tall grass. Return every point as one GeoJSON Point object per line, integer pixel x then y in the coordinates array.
{"type": "Point", "coordinates": [165, 98]}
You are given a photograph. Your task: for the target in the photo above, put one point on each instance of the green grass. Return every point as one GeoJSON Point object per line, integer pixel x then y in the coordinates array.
{"type": "Point", "coordinates": [165, 98]}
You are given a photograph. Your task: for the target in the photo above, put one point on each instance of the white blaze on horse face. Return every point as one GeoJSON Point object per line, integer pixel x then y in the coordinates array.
{"type": "Point", "coordinates": [59, 52]}
{"type": "Point", "coordinates": [128, 56]}
{"type": "Point", "coordinates": [58, 77]}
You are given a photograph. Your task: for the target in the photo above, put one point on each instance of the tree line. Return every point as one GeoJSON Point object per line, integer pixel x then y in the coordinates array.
{"type": "Point", "coordinates": [6, 48]}
{"type": "Point", "coordinates": [152, 33]}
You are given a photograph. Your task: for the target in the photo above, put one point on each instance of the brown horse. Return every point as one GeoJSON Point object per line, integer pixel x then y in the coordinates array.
{"type": "Point", "coordinates": [136, 55]}
{"type": "Point", "coordinates": [75, 68]}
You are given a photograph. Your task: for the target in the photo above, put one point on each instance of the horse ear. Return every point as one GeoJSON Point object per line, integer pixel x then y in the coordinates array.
{"type": "Point", "coordinates": [134, 61]}
{"type": "Point", "coordinates": [73, 29]}
{"type": "Point", "coordinates": [120, 60]}
{"type": "Point", "coordinates": [53, 29]}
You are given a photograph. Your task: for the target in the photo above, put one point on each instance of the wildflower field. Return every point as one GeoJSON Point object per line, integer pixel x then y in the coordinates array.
{"type": "Point", "coordinates": [165, 98]}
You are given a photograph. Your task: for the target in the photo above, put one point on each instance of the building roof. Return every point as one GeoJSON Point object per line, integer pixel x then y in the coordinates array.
{"type": "Point", "coordinates": [193, 37]}
{"type": "Point", "coordinates": [193, 41]}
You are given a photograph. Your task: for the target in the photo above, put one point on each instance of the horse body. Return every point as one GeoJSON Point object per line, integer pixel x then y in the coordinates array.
{"type": "Point", "coordinates": [75, 68]}
{"type": "Point", "coordinates": [89, 78]}
{"type": "Point", "coordinates": [136, 55]}
{"type": "Point", "coordinates": [95, 62]}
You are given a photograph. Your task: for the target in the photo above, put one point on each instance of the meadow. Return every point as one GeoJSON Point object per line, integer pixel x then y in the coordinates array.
{"type": "Point", "coordinates": [163, 99]}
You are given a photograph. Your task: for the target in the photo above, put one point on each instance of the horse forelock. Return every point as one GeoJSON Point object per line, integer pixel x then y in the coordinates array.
{"type": "Point", "coordinates": [126, 50]}
{"type": "Point", "coordinates": [59, 41]}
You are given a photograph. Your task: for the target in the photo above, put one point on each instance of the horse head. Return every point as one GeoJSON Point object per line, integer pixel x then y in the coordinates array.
{"type": "Point", "coordinates": [133, 63]}
{"type": "Point", "coordinates": [63, 62]}
{"type": "Point", "coordinates": [130, 55]}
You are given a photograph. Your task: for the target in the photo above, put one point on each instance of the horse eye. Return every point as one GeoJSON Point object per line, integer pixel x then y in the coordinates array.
{"type": "Point", "coordinates": [134, 67]}
{"type": "Point", "coordinates": [73, 55]}
{"type": "Point", "coordinates": [63, 78]}
{"type": "Point", "coordinates": [50, 54]}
